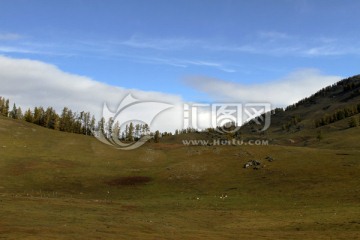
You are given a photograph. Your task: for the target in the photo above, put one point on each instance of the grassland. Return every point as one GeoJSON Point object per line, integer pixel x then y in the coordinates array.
{"type": "Point", "coordinates": [56, 185]}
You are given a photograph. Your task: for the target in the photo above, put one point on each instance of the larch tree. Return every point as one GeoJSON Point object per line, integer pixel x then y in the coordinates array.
{"type": "Point", "coordinates": [157, 136]}
{"type": "Point", "coordinates": [131, 132]}
{"type": "Point", "coordinates": [28, 116]}
{"type": "Point", "coordinates": [13, 112]}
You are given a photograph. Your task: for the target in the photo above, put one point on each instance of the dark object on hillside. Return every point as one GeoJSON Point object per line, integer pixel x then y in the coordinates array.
{"type": "Point", "coordinates": [251, 163]}
{"type": "Point", "coordinates": [270, 159]}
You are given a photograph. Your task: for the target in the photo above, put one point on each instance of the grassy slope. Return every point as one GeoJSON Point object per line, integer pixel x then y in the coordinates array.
{"type": "Point", "coordinates": [304, 133]}
{"type": "Point", "coordinates": [310, 111]}
{"type": "Point", "coordinates": [55, 185]}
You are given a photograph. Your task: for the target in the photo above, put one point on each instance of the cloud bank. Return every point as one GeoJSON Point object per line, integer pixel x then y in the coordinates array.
{"type": "Point", "coordinates": [288, 90]}
{"type": "Point", "coordinates": [31, 83]}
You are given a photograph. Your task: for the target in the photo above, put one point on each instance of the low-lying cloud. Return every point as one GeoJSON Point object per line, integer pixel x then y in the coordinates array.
{"type": "Point", "coordinates": [285, 91]}
{"type": "Point", "coordinates": [31, 83]}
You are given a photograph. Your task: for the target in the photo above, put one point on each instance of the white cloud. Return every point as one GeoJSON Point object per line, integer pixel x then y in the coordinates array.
{"type": "Point", "coordinates": [31, 83]}
{"type": "Point", "coordinates": [288, 90]}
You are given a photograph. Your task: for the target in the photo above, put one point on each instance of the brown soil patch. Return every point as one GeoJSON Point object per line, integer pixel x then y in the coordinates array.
{"type": "Point", "coordinates": [129, 181]}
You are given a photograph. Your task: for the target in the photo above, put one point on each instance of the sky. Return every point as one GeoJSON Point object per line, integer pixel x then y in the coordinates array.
{"type": "Point", "coordinates": [82, 53]}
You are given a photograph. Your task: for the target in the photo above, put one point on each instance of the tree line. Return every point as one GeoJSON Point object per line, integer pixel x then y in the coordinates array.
{"type": "Point", "coordinates": [338, 115]}
{"type": "Point", "coordinates": [79, 123]}
{"type": "Point", "coordinates": [4, 106]}
{"type": "Point", "coordinates": [345, 85]}
{"type": "Point", "coordinates": [67, 121]}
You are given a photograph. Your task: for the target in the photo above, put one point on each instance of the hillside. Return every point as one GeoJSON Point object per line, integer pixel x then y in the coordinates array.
{"type": "Point", "coordinates": [56, 185]}
{"type": "Point", "coordinates": [297, 124]}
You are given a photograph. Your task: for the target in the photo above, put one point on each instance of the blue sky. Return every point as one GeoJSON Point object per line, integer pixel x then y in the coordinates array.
{"type": "Point", "coordinates": [159, 45]}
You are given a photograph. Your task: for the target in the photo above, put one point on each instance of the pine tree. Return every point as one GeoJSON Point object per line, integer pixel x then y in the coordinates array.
{"type": "Point", "coordinates": [6, 108]}
{"type": "Point", "coordinates": [39, 116]}
{"type": "Point", "coordinates": [131, 132]}
{"type": "Point", "coordinates": [157, 136]}
{"type": "Point", "coordinates": [109, 128]}
{"type": "Point", "coordinates": [137, 131]}
{"type": "Point", "coordinates": [2, 105]}
{"type": "Point", "coordinates": [116, 131]}
{"type": "Point", "coordinates": [86, 123]}
{"type": "Point", "coordinates": [146, 129]}
{"type": "Point", "coordinates": [126, 132]}
{"type": "Point", "coordinates": [13, 112]}
{"type": "Point", "coordinates": [66, 120]}
{"type": "Point", "coordinates": [76, 123]}
{"type": "Point", "coordinates": [19, 114]}
{"type": "Point", "coordinates": [101, 125]}
{"type": "Point", "coordinates": [92, 125]}
{"type": "Point", "coordinates": [51, 119]}
{"type": "Point", "coordinates": [28, 116]}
